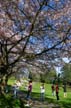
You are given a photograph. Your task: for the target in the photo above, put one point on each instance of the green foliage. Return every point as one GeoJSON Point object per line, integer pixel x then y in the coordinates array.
{"type": "Point", "coordinates": [63, 102]}
{"type": "Point", "coordinates": [48, 77]}
{"type": "Point", "coordinates": [11, 80]}
{"type": "Point", "coordinates": [9, 102]}
{"type": "Point", "coordinates": [66, 72]}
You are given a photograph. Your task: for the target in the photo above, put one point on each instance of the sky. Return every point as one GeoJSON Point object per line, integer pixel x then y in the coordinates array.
{"type": "Point", "coordinates": [58, 69]}
{"type": "Point", "coordinates": [65, 60]}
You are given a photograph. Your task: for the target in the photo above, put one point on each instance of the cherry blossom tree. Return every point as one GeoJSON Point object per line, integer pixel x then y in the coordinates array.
{"type": "Point", "coordinates": [33, 32]}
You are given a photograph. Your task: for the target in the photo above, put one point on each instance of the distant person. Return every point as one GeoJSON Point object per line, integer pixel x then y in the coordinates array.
{"type": "Point", "coordinates": [53, 89]}
{"type": "Point", "coordinates": [29, 90]}
{"type": "Point", "coordinates": [57, 92]}
{"type": "Point", "coordinates": [42, 90]}
{"type": "Point", "coordinates": [15, 89]}
{"type": "Point", "coordinates": [65, 90]}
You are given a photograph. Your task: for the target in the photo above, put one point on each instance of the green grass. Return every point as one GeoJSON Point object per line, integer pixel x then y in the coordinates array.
{"type": "Point", "coordinates": [11, 81]}
{"type": "Point", "coordinates": [7, 101]}
{"type": "Point", "coordinates": [48, 92]}
{"type": "Point", "coordinates": [63, 102]}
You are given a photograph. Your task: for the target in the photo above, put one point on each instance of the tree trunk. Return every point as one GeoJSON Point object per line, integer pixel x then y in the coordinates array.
{"type": "Point", "coordinates": [3, 84]}
{"type": "Point", "coordinates": [6, 80]}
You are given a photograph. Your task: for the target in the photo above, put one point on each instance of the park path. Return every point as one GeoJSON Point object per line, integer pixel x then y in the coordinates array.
{"type": "Point", "coordinates": [38, 104]}
{"type": "Point", "coordinates": [34, 103]}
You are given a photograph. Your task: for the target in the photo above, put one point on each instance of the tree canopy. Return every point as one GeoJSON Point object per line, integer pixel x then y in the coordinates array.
{"type": "Point", "coordinates": [34, 32]}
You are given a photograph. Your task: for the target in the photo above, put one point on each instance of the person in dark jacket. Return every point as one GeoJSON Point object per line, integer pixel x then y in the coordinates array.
{"type": "Point", "coordinates": [29, 90]}
{"type": "Point", "coordinates": [57, 91]}
{"type": "Point", "coordinates": [29, 100]}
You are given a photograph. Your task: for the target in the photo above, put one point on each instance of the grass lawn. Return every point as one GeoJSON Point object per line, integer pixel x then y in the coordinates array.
{"type": "Point", "coordinates": [63, 102]}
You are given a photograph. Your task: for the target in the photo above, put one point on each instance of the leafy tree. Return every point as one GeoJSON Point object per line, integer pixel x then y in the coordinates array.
{"type": "Point", "coordinates": [66, 72]}
{"type": "Point", "coordinates": [51, 76]}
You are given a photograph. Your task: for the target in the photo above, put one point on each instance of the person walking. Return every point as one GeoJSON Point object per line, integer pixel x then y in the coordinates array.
{"type": "Point", "coordinates": [29, 101]}
{"type": "Point", "coordinates": [42, 90]}
{"type": "Point", "coordinates": [53, 90]}
{"type": "Point", "coordinates": [57, 92]}
{"type": "Point", "coordinates": [65, 90]}
{"type": "Point", "coordinates": [29, 90]}
{"type": "Point", "coordinates": [15, 90]}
